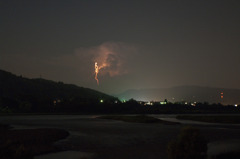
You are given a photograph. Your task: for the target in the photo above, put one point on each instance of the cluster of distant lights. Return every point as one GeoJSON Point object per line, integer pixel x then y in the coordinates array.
{"type": "Point", "coordinates": [144, 103]}
{"type": "Point", "coordinates": [102, 101]}
{"type": "Point", "coordinates": [151, 103]}
{"type": "Point", "coordinates": [161, 103]}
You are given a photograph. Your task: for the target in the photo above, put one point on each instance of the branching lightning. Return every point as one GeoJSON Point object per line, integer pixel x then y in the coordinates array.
{"type": "Point", "coordinates": [109, 58]}
{"type": "Point", "coordinates": [97, 68]}
{"type": "Point", "coordinates": [96, 72]}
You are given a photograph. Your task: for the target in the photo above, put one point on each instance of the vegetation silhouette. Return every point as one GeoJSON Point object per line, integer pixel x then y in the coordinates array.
{"type": "Point", "coordinates": [188, 145]}
{"type": "Point", "coordinates": [23, 95]}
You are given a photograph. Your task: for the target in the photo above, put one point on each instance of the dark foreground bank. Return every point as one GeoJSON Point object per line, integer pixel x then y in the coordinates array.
{"type": "Point", "coordinates": [108, 139]}
{"type": "Point", "coordinates": [26, 143]}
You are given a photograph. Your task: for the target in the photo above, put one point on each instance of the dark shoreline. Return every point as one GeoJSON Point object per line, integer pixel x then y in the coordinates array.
{"type": "Point", "coordinates": [26, 143]}
{"type": "Point", "coordinates": [106, 138]}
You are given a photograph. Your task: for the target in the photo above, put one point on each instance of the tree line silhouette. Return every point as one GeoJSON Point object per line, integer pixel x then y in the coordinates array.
{"type": "Point", "coordinates": [23, 95]}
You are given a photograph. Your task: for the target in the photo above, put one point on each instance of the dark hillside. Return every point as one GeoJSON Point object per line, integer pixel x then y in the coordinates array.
{"type": "Point", "coordinates": [17, 92]}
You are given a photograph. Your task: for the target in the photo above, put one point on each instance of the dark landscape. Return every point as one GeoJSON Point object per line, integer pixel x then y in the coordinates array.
{"type": "Point", "coordinates": [100, 138]}
{"type": "Point", "coordinates": [38, 114]}
{"type": "Point", "coordinates": [118, 79]}
{"type": "Point", "coordinates": [23, 95]}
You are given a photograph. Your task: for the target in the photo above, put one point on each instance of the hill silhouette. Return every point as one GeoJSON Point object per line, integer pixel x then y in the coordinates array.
{"type": "Point", "coordinates": [23, 95]}
{"type": "Point", "coordinates": [18, 93]}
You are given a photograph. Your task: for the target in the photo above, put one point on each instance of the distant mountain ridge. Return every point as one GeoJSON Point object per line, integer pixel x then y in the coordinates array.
{"type": "Point", "coordinates": [185, 93]}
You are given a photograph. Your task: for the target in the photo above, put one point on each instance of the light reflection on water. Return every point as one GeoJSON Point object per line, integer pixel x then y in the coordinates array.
{"type": "Point", "coordinates": [66, 155]}
{"type": "Point", "coordinates": [87, 127]}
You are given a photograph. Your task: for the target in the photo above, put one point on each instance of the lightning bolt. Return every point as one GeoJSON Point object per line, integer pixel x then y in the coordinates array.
{"type": "Point", "coordinates": [97, 68]}
{"type": "Point", "coordinates": [96, 72]}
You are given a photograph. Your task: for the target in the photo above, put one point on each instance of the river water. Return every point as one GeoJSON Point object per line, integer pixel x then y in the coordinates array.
{"type": "Point", "coordinates": [102, 139]}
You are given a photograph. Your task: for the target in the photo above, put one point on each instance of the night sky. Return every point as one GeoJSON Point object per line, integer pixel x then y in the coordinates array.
{"type": "Point", "coordinates": [145, 44]}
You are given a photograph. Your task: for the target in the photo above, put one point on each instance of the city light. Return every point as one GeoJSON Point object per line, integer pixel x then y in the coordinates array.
{"type": "Point", "coordinates": [163, 102]}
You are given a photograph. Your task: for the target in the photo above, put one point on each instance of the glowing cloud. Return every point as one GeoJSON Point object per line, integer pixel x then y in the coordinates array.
{"type": "Point", "coordinates": [111, 58]}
